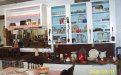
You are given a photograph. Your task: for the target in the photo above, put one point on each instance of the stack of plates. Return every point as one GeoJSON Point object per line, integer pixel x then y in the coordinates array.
{"type": "Point", "coordinates": [93, 54]}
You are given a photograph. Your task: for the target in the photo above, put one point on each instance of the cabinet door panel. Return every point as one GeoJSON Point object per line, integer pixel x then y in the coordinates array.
{"type": "Point", "coordinates": [101, 21]}
{"type": "Point", "coordinates": [79, 23]}
{"type": "Point", "coordinates": [59, 25]}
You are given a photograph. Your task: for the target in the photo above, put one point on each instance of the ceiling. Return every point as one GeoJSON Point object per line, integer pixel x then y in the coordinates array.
{"type": "Point", "coordinates": [5, 2]}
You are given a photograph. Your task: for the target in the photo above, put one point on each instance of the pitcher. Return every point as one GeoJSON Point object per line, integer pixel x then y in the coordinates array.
{"type": "Point", "coordinates": [102, 55]}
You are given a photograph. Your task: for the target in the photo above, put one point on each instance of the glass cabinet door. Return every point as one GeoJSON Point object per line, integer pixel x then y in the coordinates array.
{"type": "Point", "coordinates": [58, 25]}
{"type": "Point", "coordinates": [101, 21]}
{"type": "Point", "coordinates": [79, 23]}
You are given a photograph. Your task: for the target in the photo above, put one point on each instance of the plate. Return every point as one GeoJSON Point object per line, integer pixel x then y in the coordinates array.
{"type": "Point", "coordinates": [91, 59]}
{"type": "Point", "coordinates": [21, 70]}
{"type": "Point", "coordinates": [74, 28]}
{"type": "Point", "coordinates": [93, 53]}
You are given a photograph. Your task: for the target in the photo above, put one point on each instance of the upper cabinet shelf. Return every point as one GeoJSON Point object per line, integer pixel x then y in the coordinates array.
{"type": "Point", "coordinates": [32, 16]}
{"type": "Point", "coordinates": [23, 16]}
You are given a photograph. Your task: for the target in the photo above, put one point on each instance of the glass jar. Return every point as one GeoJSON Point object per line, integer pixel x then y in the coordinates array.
{"type": "Point", "coordinates": [73, 56]}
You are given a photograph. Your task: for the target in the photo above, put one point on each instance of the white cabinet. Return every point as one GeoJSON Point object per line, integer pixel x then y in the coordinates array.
{"type": "Point", "coordinates": [58, 31]}
{"type": "Point", "coordinates": [103, 21]}
{"type": "Point", "coordinates": [79, 26]}
{"type": "Point", "coordinates": [31, 16]}
{"type": "Point", "coordinates": [82, 23]}
{"type": "Point", "coordinates": [67, 24]}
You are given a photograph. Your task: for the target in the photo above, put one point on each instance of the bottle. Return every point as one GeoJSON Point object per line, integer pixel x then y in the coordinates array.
{"type": "Point", "coordinates": [113, 37]}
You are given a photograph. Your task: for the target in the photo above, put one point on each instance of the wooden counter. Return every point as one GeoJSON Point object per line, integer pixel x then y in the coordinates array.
{"type": "Point", "coordinates": [9, 52]}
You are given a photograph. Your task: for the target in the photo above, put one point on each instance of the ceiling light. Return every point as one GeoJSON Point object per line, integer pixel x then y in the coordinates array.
{"type": "Point", "coordinates": [2, 0]}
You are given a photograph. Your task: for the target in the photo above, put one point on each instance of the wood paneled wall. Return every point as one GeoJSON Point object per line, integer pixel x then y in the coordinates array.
{"type": "Point", "coordinates": [109, 47]}
{"type": "Point", "coordinates": [1, 17]}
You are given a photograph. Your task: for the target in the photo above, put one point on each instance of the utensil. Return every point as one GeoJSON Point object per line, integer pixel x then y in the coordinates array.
{"type": "Point", "coordinates": [68, 28]}
{"type": "Point", "coordinates": [49, 35]}
{"type": "Point", "coordinates": [113, 37]}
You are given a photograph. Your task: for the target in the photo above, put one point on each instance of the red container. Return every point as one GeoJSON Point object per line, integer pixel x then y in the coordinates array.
{"type": "Point", "coordinates": [82, 57]}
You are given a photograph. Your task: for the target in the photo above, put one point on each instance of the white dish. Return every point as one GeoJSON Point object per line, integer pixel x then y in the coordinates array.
{"type": "Point", "coordinates": [91, 59]}
{"type": "Point", "coordinates": [21, 70]}
{"type": "Point", "coordinates": [93, 53]}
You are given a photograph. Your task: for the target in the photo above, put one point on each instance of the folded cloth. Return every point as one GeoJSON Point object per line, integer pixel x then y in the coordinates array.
{"type": "Point", "coordinates": [52, 72]}
{"type": "Point", "coordinates": [8, 70]}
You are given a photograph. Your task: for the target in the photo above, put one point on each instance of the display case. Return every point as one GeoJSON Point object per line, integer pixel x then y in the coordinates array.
{"type": "Point", "coordinates": [68, 24]}
{"type": "Point", "coordinates": [79, 23]}
{"type": "Point", "coordinates": [103, 31]}
{"type": "Point", "coordinates": [31, 16]}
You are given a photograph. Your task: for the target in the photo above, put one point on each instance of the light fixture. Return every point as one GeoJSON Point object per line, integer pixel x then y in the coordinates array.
{"type": "Point", "coordinates": [2, 0]}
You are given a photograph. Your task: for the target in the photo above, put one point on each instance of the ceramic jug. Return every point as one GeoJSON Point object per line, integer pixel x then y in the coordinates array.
{"type": "Point", "coordinates": [102, 55]}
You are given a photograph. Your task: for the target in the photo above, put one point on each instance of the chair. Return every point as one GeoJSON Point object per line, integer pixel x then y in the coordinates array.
{"type": "Point", "coordinates": [69, 71]}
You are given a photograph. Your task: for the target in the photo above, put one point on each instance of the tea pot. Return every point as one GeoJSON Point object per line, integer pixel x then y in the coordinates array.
{"type": "Point", "coordinates": [102, 55]}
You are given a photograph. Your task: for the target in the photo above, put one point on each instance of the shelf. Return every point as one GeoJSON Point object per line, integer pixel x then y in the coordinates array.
{"type": "Point", "coordinates": [22, 27]}
{"type": "Point", "coordinates": [23, 16]}
{"type": "Point", "coordinates": [80, 43]}
{"type": "Point", "coordinates": [58, 15]}
{"type": "Point", "coordinates": [64, 34]}
{"type": "Point", "coordinates": [99, 12]}
{"type": "Point", "coordinates": [79, 33]}
{"type": "Point", "coordinates": [100, 1]}
{"type": "Point", "coordinates": [57, 43]}
{"type": "Point", "coordinates": [103, 42]}
{"type": "Point", "coordinates": [101, 21]}
{"type": "Point", "coordinates": [59, 25]}
{"type": "Point", "coordinates": [79, 24]}
{"type": "Point", "coordinates": [73, 14]}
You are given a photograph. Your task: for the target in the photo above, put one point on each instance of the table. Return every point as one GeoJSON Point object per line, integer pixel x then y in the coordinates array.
{"type": "Point", "coordinates": [12, 71]}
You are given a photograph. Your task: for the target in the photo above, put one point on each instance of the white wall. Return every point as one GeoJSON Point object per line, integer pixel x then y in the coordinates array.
{"type": "Point", "coordinates": [118, 23]}
{"type": "Point", "coordinates": [48, 2]}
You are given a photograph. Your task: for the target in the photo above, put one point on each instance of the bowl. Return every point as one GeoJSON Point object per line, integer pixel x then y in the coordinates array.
{"type": "Point", "coordinates": [43, 70]}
